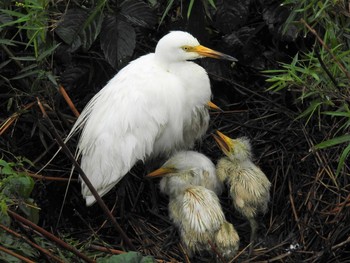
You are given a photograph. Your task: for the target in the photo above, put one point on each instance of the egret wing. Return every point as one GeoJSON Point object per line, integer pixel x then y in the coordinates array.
{"type": "Point", "coordinates": [124, 121]}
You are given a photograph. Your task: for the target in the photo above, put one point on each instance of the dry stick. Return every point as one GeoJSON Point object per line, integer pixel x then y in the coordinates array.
{"type": "Point", "coordinates": [297, 219]}
{"type": "Point", "coordinates": [50, 178]}
{"type": "Point", "coordinates": [107, 250]}
{"type": "Point", "coordinates": [49, 236]}
{"type": "Point", "coordinates": [86, 180]}
{"type": "Point", "coordinates": [313, 31]}
{"type": "Point", "coordinates": [7, 251]}
{"type": "Point", "coordinates": [69, 101]}
{"type": "Point", "coordinates": [42, 250]}
{"type": "Point", "coordinates": [14, 117]}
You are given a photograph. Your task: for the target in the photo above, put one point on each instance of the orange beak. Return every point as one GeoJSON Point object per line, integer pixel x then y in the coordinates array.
{"type": "Point", "coordinates": [207, 52]}
{"type": "Point", "coordinates": [225, 143]}
{"type": "Point", "coordinates": [161, 172]}
{"type": "Point", "coordinates": [213, 106]}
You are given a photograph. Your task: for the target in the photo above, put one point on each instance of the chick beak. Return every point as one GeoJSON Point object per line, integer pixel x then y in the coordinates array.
{"type": "Point", "coordinates": [213, 106]}
{"type": "Point", "coordinates": [160, 172]}
{"type": "Point", "coordinates": [207, 52]}
{"type": "Point", "coordinates": [224, 142]}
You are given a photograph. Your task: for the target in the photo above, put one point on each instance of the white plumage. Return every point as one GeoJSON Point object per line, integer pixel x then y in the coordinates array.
{"type": "Point", "coordinates": [153, 107]}
{"type": "Point", "coordinates": [190, 181]}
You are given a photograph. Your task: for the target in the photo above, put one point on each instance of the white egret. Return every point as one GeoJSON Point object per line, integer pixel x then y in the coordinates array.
{"type": "Point", "coordinates": [154, 106]}
{"type": "Point", "coordinates": [190, 181]}
{"type": "Point", "coordinates": [249, 186]}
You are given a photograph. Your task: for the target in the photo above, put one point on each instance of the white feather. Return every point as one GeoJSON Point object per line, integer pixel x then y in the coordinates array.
{"type": "Point", "coordinates": [154, 106]}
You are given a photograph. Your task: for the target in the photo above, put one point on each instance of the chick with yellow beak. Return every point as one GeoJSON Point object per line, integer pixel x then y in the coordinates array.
{"type": "Point", "coordinates": [189, 179]}
{"type": "Point", "coordinates": [249, 186]}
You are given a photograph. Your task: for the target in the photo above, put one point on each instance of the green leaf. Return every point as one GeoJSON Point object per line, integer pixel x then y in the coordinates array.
{"type": "Point", "coordinates": [24, 58]}
{"type": "Point", "coordinates": [189, 10]}
{"type": "Point", "coordinates": [337, 113]}
{"type": "Point", "coordinates": [212, 3]}
{"type": "Point", "coordinates": [130, 257]}
{"type": "Point", "coordinates": [332, 142]}
{"type": "Point", "coordinates": [47, 52]}
{"type": "Point", "coordinates": [7, 42]}
{"type": "Point", "coordinates": [314, 105]}
{"type": "Point", "coordinates": [168, 7]}
{"type": "Point", "coordinates": [342, 159]}
{"type": "Point", "coordinates": [27, 74]}
{"type": "Point", "coordinates": [7, 170]}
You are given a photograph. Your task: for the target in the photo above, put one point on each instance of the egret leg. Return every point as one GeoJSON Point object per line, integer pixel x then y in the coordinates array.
{"type": "Point", "coordinates": [254, 228]}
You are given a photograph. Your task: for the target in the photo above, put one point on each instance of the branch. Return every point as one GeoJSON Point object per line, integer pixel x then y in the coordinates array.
{"type": "Point", "coordinates": [49, 236]}
{"type": "Point", "coordinates": [86, 180]}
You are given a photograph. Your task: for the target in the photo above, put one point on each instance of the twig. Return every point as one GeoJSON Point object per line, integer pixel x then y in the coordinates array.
{"type": "Point", "coordinates": [42, 250]}
{"type": "Point", "coordinates": [86, 180]}
{"type": "Point", "coordinates": [50, 178]}
{"type": "Point", "coordinates": [107, 250]}
{"type": "Point", "coordinates": [69, 101]}
{"type": "Point", "coordinates": [313, 31]}
{"type": "Point", "coordinates": [6, 124]}
{"type": "Point", "coordinates": [341, 243]}
{"type": "Point", "coordinates": [326, 69]}
{"type": "Point", "coordinates": [7, 251]}
{"type": "Point", "coordinates": [297, 220]}
{"type": "Point", "coordinates": [49, 236]}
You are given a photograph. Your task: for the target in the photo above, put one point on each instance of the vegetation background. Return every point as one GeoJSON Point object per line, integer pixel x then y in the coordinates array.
{"type": "Point", "coordinates": [289, 93]}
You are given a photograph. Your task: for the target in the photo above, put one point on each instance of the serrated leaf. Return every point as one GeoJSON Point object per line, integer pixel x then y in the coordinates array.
{"type": "Point", "coordinates": [118, 40]}
{"type": "Point", "coordinates": [70, 25]}
{"type": "Point", "coordinates": [138, 13]}
{"type": "Point", "coordinates": [79, 28]}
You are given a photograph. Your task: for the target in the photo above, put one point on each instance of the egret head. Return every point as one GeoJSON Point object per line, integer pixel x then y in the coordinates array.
{"type": "Point", "coordinates": [234, 149]}
{"type": "Point", "coordinates": [186, 168]}
{"type": "Point", "coordinates": [181, 46]}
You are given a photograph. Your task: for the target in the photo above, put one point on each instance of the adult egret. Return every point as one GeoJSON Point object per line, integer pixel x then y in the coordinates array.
{"type": "Point", "coordinates": [249, 186]}
{"type": "Point", "coordinates": [190, 181]}
{"type": "Point", "coordinates": [154, 106]}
